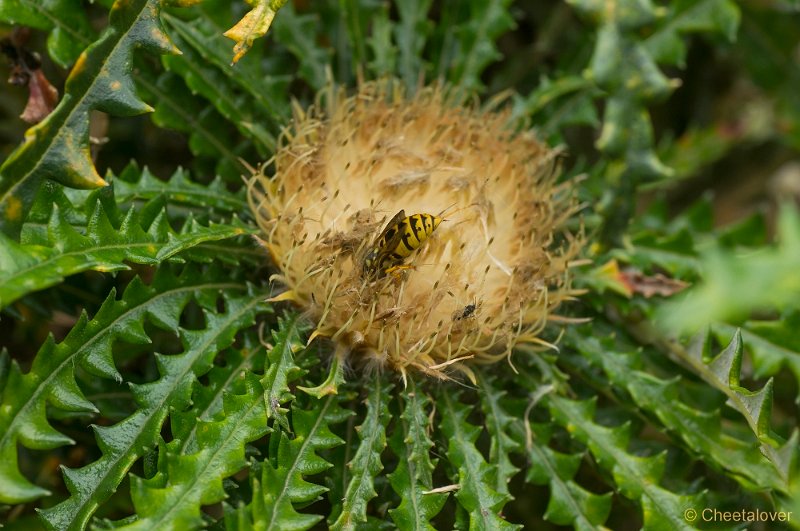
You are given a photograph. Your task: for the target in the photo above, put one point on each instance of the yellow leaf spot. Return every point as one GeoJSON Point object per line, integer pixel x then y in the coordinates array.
{"type": "Point", "coordinates": [160, 37]}
{"type": "Point", "coordinates": [79, 66]}
{"type": "Point", "coordinates": [106, 268]}
{"type": "Point", "coordinates": [13, 208]}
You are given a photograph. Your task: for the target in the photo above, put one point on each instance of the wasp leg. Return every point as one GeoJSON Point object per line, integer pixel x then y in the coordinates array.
{"type": "Point", "coordinates": [396, 271]}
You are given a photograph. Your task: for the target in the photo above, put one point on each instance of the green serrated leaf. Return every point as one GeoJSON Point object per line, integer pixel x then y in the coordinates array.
{"type": "Point", "coordinates": [691, 16]}
{"type": "Point", "coordinates": [298, 33]}
{"type": "Point", "coordinates": [256, 77]}
{"type": "Point", "coordinates": [384, 53]}
{"type": "Point", "coordinates": [413, 477]}
{"type": "Point", "coordinates": [475, 476]}
{"type": "Point", "coordinates": [23, 413]}
{"type": "Point", "coordinates": [497, 424]}
{"type": "Point", "coordinates": [42, 260]}
{"type": "Point", "coordinates": [469, 46]}
{"type": "Point", "coordinates": [125, 442]}
{"type": "Point", "coordinates": [58, 147]}
{"type": "Point", "coordinates": [284, 484]}
{"type": "Point", "coordinates": [281, 369]}
{"type": "Point", "coordinates": [176, 108]}
{"type": "Point", "coordinates": [180, 190]}
{"type": "Point", "coordinates": [700, 430]}
{"type": "Point", "coordinates": [411, 33]}
{"type": "Point", "coordinates": [257, 110]}
{"type": "Point", "coordinates": [366, 464]}
{"type": "Point", "coordinates": [557, 103]}
{"type": "Point", "coordinates": [356, 18]}
{"type": "Point", "coordinates": [569, 503]}
{"type": "Point", "coordinates": [173, 497]}
{"type": "Point", "coordinates": [754, 406]}
{"type": "Point", "coordinates": [772, 344]}
{"type": "Point", "coordinates": [207, 400]}
{"type": "Point", "coordinates": [637, 477]}
{"type": "Point", "coordinates": [624, 68]}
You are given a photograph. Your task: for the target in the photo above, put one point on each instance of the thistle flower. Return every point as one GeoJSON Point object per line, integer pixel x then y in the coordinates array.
{"type": "Point", "coordinates": [488, 278]}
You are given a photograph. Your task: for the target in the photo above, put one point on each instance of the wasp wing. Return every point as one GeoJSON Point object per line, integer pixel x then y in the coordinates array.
{"type": "Point", "coordinates": [390, 238]}
{"type": "Point", "coordinates": [376, 253]}
{"type": "Point", "coordinates": [389, 232]}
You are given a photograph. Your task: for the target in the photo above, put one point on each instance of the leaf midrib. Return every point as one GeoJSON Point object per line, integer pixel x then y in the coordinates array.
{"type": "Point", "coordinates": [577, 510]}
{"type": "Point", "coordinates": [245, 364]}
{"type": "Point", "coordinates": [44, 385]}
{"type": "Point", "coordinates": [77, 107]}
{"type": "Point", "coordinates": [368, 443]}
{"type": "Point", "coordinates": [630, 473]}
{"type": "Point", "coordinates": [36, 6]}
{"type": "Point", "coordinates": [471, 472]}
{"type": "Point", "coordinates": [300, 453]}
{"type": "Point", "coordinates": [200, 473]}
{"type": "Point", "coordinates": [168, 398]}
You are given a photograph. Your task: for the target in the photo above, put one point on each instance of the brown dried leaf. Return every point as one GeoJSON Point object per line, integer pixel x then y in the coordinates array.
{"type": "Point", "coordinates": [42, 98]}
{"type": "Point", "coordinates": [26, 70]}
{"type": "Point", "coordinates": [650, 285]}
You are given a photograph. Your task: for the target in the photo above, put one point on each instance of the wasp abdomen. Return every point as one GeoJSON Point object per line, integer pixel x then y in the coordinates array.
{"type": "Point", "coordinates": [415, 230]}
{"type": "Point", "coordinates": [401, 237]}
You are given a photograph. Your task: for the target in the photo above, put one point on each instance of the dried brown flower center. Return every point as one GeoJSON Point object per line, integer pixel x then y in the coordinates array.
{"type": "Point", "coordinates": [486, 278]}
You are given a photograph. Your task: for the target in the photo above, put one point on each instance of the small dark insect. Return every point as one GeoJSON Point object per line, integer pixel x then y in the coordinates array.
{"type": "Point", "coordinates": [466, 313]}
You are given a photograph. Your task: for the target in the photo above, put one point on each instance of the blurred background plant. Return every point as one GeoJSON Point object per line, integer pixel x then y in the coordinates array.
{"type": "Point", "coordinates": [137, 308]}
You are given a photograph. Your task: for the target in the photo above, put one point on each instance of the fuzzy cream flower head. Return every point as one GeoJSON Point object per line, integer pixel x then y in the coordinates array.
{"type": "Point", "coordinates": [486, 279]}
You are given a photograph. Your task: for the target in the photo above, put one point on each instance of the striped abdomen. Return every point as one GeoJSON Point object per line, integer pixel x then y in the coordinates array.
{"type": "Point", "coordinates": [401, 237]}
{"type": "Point", "coordinates": [414, 230]}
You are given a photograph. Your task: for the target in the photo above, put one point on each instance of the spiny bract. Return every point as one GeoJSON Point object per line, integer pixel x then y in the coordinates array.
{"type": "Point", "coordinates": [486, 280]}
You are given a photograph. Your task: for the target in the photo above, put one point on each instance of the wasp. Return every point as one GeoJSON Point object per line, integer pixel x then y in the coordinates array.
{"type": "Point", "coordinates": [402, 236]}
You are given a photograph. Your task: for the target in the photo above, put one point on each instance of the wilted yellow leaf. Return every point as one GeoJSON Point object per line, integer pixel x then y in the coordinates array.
{"type": "Point", "coordinates": [253, 25]}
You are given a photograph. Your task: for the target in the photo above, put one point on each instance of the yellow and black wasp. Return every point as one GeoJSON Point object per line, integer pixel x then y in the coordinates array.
{"type": "Point", "coordinates": [402, 236]}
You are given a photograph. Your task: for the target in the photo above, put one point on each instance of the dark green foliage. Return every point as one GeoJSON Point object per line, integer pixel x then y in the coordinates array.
{"type": "Point", "coordinates": [701, 430]}
{"type": "Point", "coordinates": [366, 463]}
{"type": "Point", "coordinates": [412, 480]}
{"type": "Point", "coordinates": [147, 383]}
{"type": "Point", "coordinates": [179, 191]}
{"type": "Point", "coordinates": [477, 494]}
{"type": "Point", "coordinates": [637, 477]}
{"type": "Point", "coordinates": [284, 484]}
{"type": "Point", "coordinates": [569, 503]}
{"type": "Point", "coordinates": [144, 236]}
{"type": "Point", "coordinates": [172, 498]}
{"type": "Point", "coordinates": [125, 442]}
{"type": "Point", "coordinates": [68, 28]}
{"type": "Point", "coordinates": [58, 147]}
